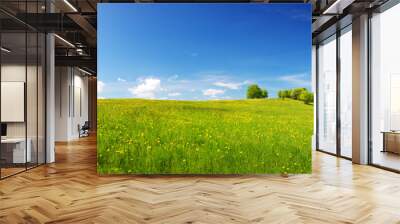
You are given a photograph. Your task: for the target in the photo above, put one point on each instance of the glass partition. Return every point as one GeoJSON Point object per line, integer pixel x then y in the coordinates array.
{"type": "Point", "coordinates": [385, 89]}
{"type": "Point", "coordinates": [14, 155]}
{"type": "Point", "coordinates": [23, 91]}
{"type": "Point", "coordinates": [327, 95]}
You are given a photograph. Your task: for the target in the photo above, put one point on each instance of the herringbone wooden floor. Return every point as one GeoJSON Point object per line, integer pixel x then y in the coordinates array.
{"type": "Point", "coordinates": [70, 191]}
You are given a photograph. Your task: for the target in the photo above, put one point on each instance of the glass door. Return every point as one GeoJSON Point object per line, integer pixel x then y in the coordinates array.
{"type": "Point", "coordinates": [385, 89]}
{"type": "Point", "coordinates": [327, 95]}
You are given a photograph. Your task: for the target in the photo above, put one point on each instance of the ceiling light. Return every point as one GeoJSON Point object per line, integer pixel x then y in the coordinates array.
{"type": "Point", "coordinates": [328, 10]}
{"type": "Point", "coordinates": [79, 51]}
{"type": "Point", "coordinates": [5, 50]}
{"type": "Point", "coordinates": [70, 5]}
{"type": "Point", "coordinates": [65, 41]}
{"type": "Point", "coordinates": [84, 71]}
{"type": "Point", "coordinates": [338, 6]}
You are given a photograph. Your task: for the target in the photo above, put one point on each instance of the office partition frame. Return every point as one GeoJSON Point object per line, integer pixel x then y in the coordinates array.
{"type": "Point", "coordinates": [343, 22]}
{"type": "Point", "coordinates": [36, 33]}
{"type": "Point", "coordinates": [338, 33]}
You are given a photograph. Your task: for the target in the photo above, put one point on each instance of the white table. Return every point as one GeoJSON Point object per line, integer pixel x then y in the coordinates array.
{"type": "Point", "coordinates": [19, 153]}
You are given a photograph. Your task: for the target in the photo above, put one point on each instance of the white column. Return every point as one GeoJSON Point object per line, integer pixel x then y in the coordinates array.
{"type": "Point", "coordinates": [360, 90]}
{"type": "Point", "coordinates": [50, 99]}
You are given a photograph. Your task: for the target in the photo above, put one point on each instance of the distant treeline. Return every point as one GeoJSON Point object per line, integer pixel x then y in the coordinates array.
{"type": "Point", "coordinates": [301, 94]}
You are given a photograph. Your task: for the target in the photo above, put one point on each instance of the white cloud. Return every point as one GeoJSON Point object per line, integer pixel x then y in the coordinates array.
{"type": "Point", "coordinates": [297, 79]}
{"type": "Point", "coordinates": [230, 85]}
{"type": "Point", "coordinates": [100, 86]}
{"type": "Point", "coordinates": [174, 94]}
{"type": "Point", "coordinates": [101, 97]}
{"type": "Point", "coordinates": [121, 79]}
{"type": "Point", "coordinates": [147, 88]}
{"type": "Point", "coordinates": [213, 92]}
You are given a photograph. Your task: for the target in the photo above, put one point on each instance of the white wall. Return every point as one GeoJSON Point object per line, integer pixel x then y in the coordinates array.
{"type": "Point", "coordinates": [71, 102]}
{"type": "Point", "coordinates": [79, 103]}
{"type": "Point", "coordinates": [62, 82]}
{"type": "Point", "coordinates": [12, 73]}
{"type": "Point", "coordinates": [33, 126]}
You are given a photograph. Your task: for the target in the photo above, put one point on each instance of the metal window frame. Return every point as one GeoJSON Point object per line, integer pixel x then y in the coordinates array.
{"type": "Point", "coordinates": [387, 5]}
{"type": "Point", "coordinates": [338, 34]}
{"type": "Point", "coordinates": [318, 95]}
{"type": "Point", "coordinates": [381, 9]}
{"type": "Point", "coordinates": [338, 76]}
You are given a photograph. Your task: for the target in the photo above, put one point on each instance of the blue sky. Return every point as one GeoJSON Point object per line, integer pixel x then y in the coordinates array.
{"type": "Point", "coordinates": [202, 51]}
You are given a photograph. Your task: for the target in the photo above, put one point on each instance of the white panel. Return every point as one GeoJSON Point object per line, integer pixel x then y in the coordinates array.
{"type": "Point", "coordinates": [77, 112]}
{"type": "Point", "coordinates": [12, 101]}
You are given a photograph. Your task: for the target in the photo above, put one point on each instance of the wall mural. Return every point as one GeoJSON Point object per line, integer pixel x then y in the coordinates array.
{"type": "Point", "coordinates": [204, 89]}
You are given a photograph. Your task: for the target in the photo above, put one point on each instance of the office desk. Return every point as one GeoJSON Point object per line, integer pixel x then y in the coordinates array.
{"type": "Point", "coordinates": [13, 150]}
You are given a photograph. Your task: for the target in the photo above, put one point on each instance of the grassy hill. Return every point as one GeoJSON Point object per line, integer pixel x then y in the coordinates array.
{"type": "Point", "coordinates": [204, 137]}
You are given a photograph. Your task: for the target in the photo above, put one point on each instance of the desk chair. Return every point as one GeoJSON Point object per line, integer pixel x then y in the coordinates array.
{"type": "Point", "coordinates": [84, 130]}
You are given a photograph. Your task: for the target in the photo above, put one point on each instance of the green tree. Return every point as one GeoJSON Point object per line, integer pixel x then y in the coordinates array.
{"type": "Point", "coordinates": [255, 92]}
{"type": "Point", "coordinates": [264, 93]}
{"type": "Point", "coordinates": [296, 92]}
{"type": "Point", "coordinates": [281, 94]}
{"type": "Point", "coordinates": [286, 93]}
{"type": "Point", "coordinates": [307, 97]}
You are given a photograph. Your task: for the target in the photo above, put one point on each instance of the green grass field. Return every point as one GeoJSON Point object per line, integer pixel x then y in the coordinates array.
{"type": "Point", "coordinates": [204, 137]}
